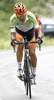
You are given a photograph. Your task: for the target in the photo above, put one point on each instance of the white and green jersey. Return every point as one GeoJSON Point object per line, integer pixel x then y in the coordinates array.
{"type": "Point", "coordinates": [29, 23]}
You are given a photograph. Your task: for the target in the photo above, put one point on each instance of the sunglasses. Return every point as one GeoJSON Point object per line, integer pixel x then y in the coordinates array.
{"type": "Point", "coordinates": [21, 15]}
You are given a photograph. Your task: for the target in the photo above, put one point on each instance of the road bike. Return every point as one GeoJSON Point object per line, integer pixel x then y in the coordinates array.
{"type": "Point", "coordinates": [27, 71]}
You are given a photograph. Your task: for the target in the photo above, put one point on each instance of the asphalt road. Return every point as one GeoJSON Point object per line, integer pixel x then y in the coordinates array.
{"type": "Point", "coordinates": [11, 88]}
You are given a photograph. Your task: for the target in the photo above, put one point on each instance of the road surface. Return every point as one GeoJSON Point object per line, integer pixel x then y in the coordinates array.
{"type": "Point", "coordinates": [11, 88]}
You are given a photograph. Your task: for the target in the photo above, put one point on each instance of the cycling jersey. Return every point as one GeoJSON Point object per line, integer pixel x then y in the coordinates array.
{"type": "Point", "coordinates": [29, 23]}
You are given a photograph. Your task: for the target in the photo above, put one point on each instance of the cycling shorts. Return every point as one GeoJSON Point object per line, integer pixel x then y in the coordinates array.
{"type": "Point", "coordinates": [29, 35]}
{"type": "Point", "coordinates": [36, 34]}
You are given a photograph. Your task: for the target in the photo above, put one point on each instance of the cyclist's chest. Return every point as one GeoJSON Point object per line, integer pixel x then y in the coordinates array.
{"type": "Point", "coordinates": [27, 23]}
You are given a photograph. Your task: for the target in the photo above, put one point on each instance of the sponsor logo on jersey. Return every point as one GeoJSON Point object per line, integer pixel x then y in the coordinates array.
{"type": "Point", "coordinates": [13, 19]}
{"type": "Point", "coordinates": [30, 16]}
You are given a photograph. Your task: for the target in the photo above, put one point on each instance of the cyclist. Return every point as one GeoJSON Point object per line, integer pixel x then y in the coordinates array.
{"type": "Point", "coordinates": [22, 23]}
{"type": "Point", "coordinates": [41, 26]}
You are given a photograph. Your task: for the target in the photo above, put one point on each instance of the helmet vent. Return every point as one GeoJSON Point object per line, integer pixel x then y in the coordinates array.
{"type": "Point", "coordinates": [22, 7]}
{"type": "Point", "coordinates": [20, 10]}
{"type": "Point", "coordinates": [16, 9]}
{"type": "Point", "coordinates": [18, 5]}
{"type": "Point", "coordinates": [23, 10]}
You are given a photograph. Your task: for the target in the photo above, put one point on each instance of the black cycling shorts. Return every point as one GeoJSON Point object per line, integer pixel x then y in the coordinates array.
{"type": "Point", "coordinates": [29, 34]}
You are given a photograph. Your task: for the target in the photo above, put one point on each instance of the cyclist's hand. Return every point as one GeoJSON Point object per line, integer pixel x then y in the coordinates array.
{"type": "Point", "coordinates": [40, 41]}
{"type": "Point", "coordinates": [12, 42]}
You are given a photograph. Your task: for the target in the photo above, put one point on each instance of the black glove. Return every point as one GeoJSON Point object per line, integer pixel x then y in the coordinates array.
{"type": "Point", "coordinates": [12, 42]}
{"type": "Point", "coordinates": [41, 41]}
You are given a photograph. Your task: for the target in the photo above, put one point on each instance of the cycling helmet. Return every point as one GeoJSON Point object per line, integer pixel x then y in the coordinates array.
{"type": "Point", "coordinates": [19, 9]}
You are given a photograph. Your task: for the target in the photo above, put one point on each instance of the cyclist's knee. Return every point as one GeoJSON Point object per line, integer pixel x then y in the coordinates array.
{"type": "Point", "coordinates": [32, 52]}
{"type": "Point", "coordinates": [20, 47]}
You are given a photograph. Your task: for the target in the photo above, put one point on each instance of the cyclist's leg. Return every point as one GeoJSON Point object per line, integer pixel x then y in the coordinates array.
{"type": "Point", "coordinates": [33, 55]}
{"type": "Point", "coordinates": [33, 60]}
{"type": "Point", "coordinates": [19, 38]}
{"type": "Point", "coordinates": [19, 53]}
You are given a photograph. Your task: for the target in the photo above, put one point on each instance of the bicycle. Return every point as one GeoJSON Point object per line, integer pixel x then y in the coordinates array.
{"type": "Point", "coordinates": [27, 76]}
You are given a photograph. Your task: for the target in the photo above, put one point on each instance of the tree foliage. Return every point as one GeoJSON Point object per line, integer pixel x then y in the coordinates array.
{"type": "Point", "coordinates": [7, 5]}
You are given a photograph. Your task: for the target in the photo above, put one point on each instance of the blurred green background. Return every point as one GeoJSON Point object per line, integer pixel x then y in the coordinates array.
{"type": "Point", "coordinates": [6, 10]}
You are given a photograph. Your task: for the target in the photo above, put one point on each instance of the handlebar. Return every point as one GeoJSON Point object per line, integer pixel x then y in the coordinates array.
{"type": "Point", "coordinates": [26, 42]}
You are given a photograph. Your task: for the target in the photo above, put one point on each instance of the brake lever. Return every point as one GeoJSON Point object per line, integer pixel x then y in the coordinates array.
{"type": "Point", "coordinates": [14, 49]}
{"type": "Point", "coordinates": [39, 46]}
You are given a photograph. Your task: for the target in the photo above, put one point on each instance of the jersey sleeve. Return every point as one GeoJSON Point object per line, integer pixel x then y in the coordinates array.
{"type": "Point", "coordinates": [34, 21]}
{"type": "Point", "coordinates": [36, 25]}
{"type": "Point", "coordinates": [12, 27]}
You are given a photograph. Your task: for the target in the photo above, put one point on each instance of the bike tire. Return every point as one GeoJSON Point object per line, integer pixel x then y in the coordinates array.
{"type": "Point", "coordinates": [29, 82]}
{"type": "Point", "coordinates": [26, 88]}
{"type": "Point", "coordinates": [25, 81]}
{"type": "Point", "coordinates": [30, 90]}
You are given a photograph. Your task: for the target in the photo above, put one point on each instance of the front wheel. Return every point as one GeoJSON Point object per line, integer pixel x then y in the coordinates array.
{"type": "Point", "coordinates": [26, 86]}
{"type": "Point", "coordinates": [27, 81]}
{"type": "Point", "coordinates": [30, 90]}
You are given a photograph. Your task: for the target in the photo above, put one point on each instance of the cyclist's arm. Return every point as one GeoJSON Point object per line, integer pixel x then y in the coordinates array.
{"type": "Point", "coordinates": [12, 28]}
{"type": "Point", "coordinates": [37, 27]}
{"type": "Point", "coordinates": [13, 35]}
{"type": "Point", "coordinates": [13, 32]}
{"type": "Point", "coordinates": [39, 32]}
{"type": "Point", "coordinates": [42, 28]}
